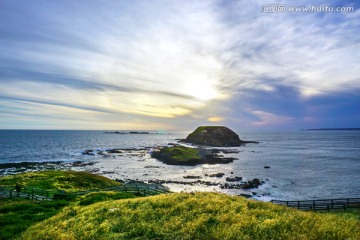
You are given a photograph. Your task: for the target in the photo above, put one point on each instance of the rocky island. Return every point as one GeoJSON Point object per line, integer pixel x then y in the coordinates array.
{"type": "Point", "coordinates": [215, 136]}
{"type": "Point", "coordinates": [181, 155]}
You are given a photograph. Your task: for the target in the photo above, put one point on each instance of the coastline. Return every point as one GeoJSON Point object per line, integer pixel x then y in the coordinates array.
{"type": "Point", "coordinates": [215, 182]}
{"type": "Point", "coordinates": [303, 164]}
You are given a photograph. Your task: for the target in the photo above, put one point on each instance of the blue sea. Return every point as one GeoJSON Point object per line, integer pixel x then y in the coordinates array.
{"type": "Point", "coordinates": [303, 164]}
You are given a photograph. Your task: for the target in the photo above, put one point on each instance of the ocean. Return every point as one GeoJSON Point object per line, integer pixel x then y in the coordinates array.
{"type": "Point", "coordinates": [302, 164]}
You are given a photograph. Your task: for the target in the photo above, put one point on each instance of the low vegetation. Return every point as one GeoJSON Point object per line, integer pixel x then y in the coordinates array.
{"type": "Point", "coordinates": [118, 215]}
{"type": "Point", "coordinates": [17, 214]}
{"type": "Point", "coordinates": [191, 216]}
{"type": "Point", "coordinates": [179, 155]}
{"type": "Point", "coordinates": [69, 181]}
{"type": "Point", "coordinates": [95, 197]}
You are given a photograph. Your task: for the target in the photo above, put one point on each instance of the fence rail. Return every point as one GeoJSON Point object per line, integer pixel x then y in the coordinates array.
{"type": "Point", "coordinates": [41, 195]}
{"type": "Point", "coordinates": [321, 204]}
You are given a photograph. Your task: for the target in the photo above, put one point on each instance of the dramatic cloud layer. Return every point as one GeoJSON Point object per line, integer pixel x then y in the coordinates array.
{"type": "Point", "coordinates": [177, 64]}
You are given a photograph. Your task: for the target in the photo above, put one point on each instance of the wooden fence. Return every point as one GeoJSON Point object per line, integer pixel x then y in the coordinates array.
{"type": "Point", "coordinates": [322, 204]}
{"type": "Point", "coordinates": [41, 195]}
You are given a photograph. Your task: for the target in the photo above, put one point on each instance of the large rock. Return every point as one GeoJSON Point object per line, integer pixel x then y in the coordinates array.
{"type": "Point", "coordinates": [216, 136]}
{"type": "Point", "coordinates": [181, 155]}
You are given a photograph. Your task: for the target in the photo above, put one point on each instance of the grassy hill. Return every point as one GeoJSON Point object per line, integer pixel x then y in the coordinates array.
{"type": "Point", "coordinates": [16, 215]}
{"type": "Point", "coordinates": [118, 215]}
{"type": "Point", "coordinates": [191, 216]}
{"type": "Point", "coordinates": [68, 181]}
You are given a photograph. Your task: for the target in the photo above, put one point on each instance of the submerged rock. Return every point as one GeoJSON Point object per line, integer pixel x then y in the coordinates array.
{"type": "Point", "coordinates": [216, 136]}
{"type": "Point", "coordinates": [233, 179]}
{"type": "Point", "coordinates": [191, 177]}
{"type": "Point", "coordinates": [88, 152]}
{"type": "Point", "coordinates": [218, 175]}
{"type": "Point", "coordinates": [255, 183]}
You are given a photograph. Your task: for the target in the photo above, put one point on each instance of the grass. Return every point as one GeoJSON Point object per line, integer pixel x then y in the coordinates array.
{"type": "Point", "coordinates": [192, 216]}
{"type": "Point", "coordinates": [181, 153]}
{"type": "Point", "coordinates": [16, 215]}
{"type": "Point", "coordinates": [178, 155]}
{"type": "Point", "coordinates": [201, 128]}
{"type": "Point", "coordinates": [69, 181]}
{"type": "Point", "coordinates": [349, 213]}
{"type": "Point", "coordinates": [92, 198]}
{"type": "Point", "coordinates": [117, 215]}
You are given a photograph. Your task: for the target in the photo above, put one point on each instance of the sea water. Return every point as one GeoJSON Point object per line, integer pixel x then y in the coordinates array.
{"type": "Point", "coordinates": [303, 164]}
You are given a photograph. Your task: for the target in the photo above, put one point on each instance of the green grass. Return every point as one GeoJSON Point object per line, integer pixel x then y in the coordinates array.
{"type": "Point", "coordinates": [69, 181]}
{"type": "Point", "coordinates": [116, 215]}
{"type": "Point", "coordinates": [201, 128]}
{"type": "Point", "coordinates": [181, 153]}
{"type": "Point", "coordinates": [349, 213]}
{"type": "Point", "coordinates": [192, 216]}
{"type": "Point", "coordinates": [178, 155]}
{"type": "Point", "coordinates": [16, 215]}
{"type": "Point", "coordinates": [92, 198]}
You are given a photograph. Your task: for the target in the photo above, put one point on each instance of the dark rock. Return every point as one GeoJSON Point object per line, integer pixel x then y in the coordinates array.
{"type": "Point", "coordinates": [152, 167]}
{"type": "Point", "coordinates": [218, 175]}
{"type": "Point", "coordinates": [181, 155]}
{"type": "Point", "coordinates": [192, 177]}
{"type": "Point", "coordinates": [108, 172]}
{"type": "Point", "coordinates": [207, 183]}
{"type": "Point", "coordinates": [114, 151]}
{"type": "Point", "coordinates": [217, 136]}
{"type": "Point", "coordinates": [255, 183]}
{"type": "Point", "coordinates": [230, 151]}
{"type": "Point", "coordinates": [88, 152]}
{"type": "Point", "coordinates": [233, 179]}
{"type": "Point", "coordinates": [245, 195]}
{"type": "Point", "coordinates": [82, 164]}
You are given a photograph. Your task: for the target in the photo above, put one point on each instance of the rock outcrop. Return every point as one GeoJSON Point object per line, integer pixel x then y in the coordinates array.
{"type": "Point", "coordinates": [215, 136]}
{"type": "Point", "coordinates": [181, 155]}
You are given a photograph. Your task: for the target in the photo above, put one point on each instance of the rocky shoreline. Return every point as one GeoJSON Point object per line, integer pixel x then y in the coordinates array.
{"type": "Point", "coordinates": [203, 155]}
{"type": "Point", "coordinates": [20, 167]}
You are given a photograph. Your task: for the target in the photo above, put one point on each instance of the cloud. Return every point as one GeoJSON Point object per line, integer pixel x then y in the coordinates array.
{"type": "Point", "coordinates": [215, 119]}
{"type": "Point", "coordinates": [176, 64]}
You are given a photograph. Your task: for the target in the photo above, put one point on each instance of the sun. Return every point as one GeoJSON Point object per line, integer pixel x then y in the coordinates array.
{"type": "Point", "coordinates": [201, 88]}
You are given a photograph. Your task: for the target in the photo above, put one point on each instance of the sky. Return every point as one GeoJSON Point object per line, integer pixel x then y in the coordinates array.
{"type": "Point", "coordinates": [175, 65]}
